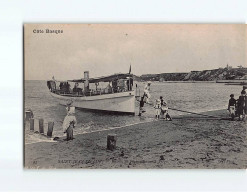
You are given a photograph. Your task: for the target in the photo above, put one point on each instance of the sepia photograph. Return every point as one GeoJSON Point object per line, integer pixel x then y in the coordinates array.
{"type": "Point", "coordinates": [134, 96]}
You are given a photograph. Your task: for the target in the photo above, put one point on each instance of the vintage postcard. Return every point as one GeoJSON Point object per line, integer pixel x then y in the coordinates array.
{"type": "Point", "coordinates": [135, 96]}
